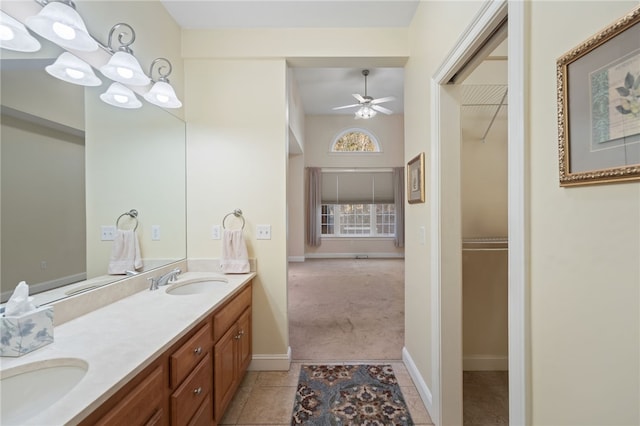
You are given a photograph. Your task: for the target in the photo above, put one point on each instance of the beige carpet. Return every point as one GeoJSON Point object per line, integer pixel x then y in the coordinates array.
{"type": "Point", "coordinates": [346, 309]}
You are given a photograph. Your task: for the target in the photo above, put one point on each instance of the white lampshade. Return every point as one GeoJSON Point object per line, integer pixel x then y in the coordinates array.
{"type": "Point", "coordinates": [123, 67]}
{"type": "Point", "coordinates": [61, 24]}
{"type": "Point", "coordinates": [365, 112]}
{"type": "Point", "coordinates": [73, 70]}
{"type": "Point", "coordinates": [121, 97]}
{"type": "Point", "coordinates": [163, 95]}
{"type": "Point", "coordinates": [14, 35]}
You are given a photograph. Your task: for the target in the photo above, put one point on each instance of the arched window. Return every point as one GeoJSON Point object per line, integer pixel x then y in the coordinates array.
{"type": "Point", "coordinates": [355, 140]}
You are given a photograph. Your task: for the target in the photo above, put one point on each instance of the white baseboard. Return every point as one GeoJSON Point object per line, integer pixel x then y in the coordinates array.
{"type": "Point", "coordinates": [354, 255]}
{"type": "Point", "coordinates": [296, 258]}
{"type": "Point", "coordinates": [271, 362]}
{"type": "Point", "coordinates": [418, 381]}
{"type": "Point", "coordinates": [485, 363]}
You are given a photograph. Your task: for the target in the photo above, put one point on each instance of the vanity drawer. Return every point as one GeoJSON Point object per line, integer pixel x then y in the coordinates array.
{"type": "Point", "coordinates": [183, 360]}
{"type": "Point", "coordinates": [230, 313]}
{"type": "Point", "coordinates": [191, 394]}
{"type": "Point", "coordinates": [204, 415]}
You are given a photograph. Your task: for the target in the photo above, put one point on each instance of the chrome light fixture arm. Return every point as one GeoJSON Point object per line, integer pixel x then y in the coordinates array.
{"type": "Point", "coordinates": [163, 68]}
{"type": "Point", "coordinates": [124, 45]}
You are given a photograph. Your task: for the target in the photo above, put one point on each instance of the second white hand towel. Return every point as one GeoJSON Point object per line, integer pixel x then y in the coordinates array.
{"type": "Point", "coordinates": [235, 258]}
{"type": "Point", "coordinates": [125, 254]}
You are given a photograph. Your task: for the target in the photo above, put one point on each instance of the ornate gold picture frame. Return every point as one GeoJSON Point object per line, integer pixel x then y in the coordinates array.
{"type": "Point", "coordinates": [415, 179]}
{"type": "Point", "coordinates": [599, 106]}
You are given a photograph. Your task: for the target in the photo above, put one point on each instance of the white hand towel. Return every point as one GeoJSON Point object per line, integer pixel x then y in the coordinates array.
{"type": "Point", "coordinates": [235, 258]}
{"type": "Point", "coordinates": [125, 253]}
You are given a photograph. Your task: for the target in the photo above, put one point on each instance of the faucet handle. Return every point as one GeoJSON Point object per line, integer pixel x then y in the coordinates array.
{"type": "Point", "coordinates": [154, 283]}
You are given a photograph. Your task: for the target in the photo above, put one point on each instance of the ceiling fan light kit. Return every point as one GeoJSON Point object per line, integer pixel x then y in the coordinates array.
{"type": "Point", "coordinates": [368, 106]}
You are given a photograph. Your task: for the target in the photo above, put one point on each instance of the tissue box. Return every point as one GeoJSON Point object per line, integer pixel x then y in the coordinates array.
{"type": "Point", "coordinates": [22, 334]}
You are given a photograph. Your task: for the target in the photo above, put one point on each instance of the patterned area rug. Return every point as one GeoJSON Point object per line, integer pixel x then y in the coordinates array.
{"type": "Point", "coordinates": [349, 395]}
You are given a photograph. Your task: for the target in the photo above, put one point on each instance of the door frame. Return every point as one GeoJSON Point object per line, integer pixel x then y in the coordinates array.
{"type": "Point", "coordinates": [446, 287]}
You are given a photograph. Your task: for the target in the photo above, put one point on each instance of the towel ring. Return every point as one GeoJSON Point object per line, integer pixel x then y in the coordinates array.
{"type": "Point", "coordinates": [236, 213]}
{"type": "Point", "coordinates": [133, 214]}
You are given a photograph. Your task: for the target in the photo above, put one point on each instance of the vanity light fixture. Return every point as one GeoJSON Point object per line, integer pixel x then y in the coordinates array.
{"type": "Point", "coordinates": [59, 22]}
{"type": "Point", "coordinates": [162, 94]}
{"type": "Point", "coordinates": [123, 67]}
{"type": "Point", "coordinates": [365, 112]}
{"type": "Point", "coordinates": [73, 70]}
{"type": "Point", "coordinates": [15, 36]}
{"type": "Point", "coordinates": [121, 96]}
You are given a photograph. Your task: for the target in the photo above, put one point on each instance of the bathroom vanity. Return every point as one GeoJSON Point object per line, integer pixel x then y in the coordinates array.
{"type": "Point", "coordinates": [173, 356]}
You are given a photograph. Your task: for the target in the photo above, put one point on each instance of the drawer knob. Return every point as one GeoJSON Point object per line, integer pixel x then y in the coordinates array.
{"type": "Point", "coordinates": [197, 391]}
{"type": "Point", "coordinates": [197, 350]}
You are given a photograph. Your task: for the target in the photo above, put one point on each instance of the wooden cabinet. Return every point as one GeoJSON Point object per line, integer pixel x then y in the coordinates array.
{"type": "Point", "coordinates": [141, 402]}
{"type": "Point", "coordinates": [193, 381]}
{"type": "Point", "coordinates": [232, 349]}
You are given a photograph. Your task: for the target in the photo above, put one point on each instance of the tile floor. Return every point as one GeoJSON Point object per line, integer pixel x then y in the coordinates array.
{"type": "Point", "coordinates": [266, 397]}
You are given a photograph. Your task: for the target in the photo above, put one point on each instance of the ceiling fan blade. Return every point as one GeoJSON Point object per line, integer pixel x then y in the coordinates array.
{"type": "Point", "coordinates": [346, 106]}
{"type": "Point", "coordinates": [359, 97]}
{"type": "Point", "coordinates": [382, 109]}
{"type": "Point", "coordinates": [381, 100]}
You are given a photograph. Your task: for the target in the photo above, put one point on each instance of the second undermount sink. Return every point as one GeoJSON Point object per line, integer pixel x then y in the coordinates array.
{"type": "Point", "coordinates": [30, 389]}
{"type": "Point", "coordinates": [196, 287]}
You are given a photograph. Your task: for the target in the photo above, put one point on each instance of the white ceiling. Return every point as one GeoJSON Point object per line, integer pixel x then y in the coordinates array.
{"type": "Point", "coordinates": [320, 89]}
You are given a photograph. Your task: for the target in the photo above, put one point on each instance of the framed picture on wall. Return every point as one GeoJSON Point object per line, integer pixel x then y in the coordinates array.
{"type": "Point", "coordinates": [599, 106]}
{"type": "Point", "coordinates": [415, 179]}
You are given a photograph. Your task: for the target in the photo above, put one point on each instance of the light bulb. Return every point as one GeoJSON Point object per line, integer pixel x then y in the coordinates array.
{"type": "Point", "coordinates": [6, 33]}
{"type": "Point", "coordinates": [124, 72]}
{"type": "Point", "coordinates": [121, 99]}
{"type": "Point", "coordinates": [74, 73]}
{"type": "Point", "coordinates": [64, 31]}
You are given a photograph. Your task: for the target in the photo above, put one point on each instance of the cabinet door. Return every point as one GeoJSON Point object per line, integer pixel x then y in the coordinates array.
{"type": "Point", "coordinates": [142, 406]}
{"type": "Point", "coordinates": [244, 342]}
{"type": "Point", "coordinates": [224, 371]}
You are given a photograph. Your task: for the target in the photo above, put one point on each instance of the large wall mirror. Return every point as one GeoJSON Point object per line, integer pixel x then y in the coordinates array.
{"type": "Point", "coordinates": [71, 164]}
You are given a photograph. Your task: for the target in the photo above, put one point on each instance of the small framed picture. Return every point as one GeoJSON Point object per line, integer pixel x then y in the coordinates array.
{"type": "Point", "coordinates": [599, 106]}
{"type": "Point", "coordinates": [415, 179]}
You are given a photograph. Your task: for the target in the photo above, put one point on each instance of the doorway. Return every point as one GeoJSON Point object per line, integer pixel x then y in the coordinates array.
{"type": "Point", "coordinates": [446, 299]}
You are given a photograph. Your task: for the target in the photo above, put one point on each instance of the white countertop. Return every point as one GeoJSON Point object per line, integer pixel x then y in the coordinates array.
{"type": "Point", "coordinates": [121, 339]}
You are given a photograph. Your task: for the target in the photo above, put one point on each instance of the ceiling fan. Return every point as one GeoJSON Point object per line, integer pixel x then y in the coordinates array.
{"type": "Point", "coordinates": [368, 105]}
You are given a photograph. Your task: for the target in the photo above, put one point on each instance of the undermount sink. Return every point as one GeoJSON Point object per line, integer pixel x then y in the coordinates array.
{"type": "Point", "coordinates": [197, 287]}
{"type": "Point", "coordinates": [30, 389]}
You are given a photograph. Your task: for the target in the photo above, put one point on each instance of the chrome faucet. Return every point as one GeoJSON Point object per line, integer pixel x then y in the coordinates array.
{"type": "Point", "coordinates": [165, 279]}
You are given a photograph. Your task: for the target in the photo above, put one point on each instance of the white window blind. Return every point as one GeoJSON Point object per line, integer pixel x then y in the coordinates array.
{"type": "Point", "coordinates": [357, 187]}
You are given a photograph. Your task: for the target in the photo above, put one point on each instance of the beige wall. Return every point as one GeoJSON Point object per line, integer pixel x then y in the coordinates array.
{"type": "Point", "coordinates": [223, 69]}
{"type": "Point", "coordinates": [32, 181]}
{"type": "Point", "coordinates": [239, 160]}
{"type": "Point", "coordinates": [444, 22]}
{"type": "Point", "coordinates": [484, 304]}
{"type": "Point", "coordinates": [585, 252]}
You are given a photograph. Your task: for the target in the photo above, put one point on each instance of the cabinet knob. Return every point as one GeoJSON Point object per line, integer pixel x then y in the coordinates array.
{"type": "Point", "coordinates": [197, 391]}
{"type": "Point", "coordinates": [198, 350]}
{"type": "Point", "coordinates": [241, 333]}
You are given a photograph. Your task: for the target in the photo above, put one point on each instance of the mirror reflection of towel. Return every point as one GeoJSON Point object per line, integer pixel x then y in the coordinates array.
{"type": "Point", "coordinates": [125, 253]}
{"type": "Point", "coordinates": [235, 259]}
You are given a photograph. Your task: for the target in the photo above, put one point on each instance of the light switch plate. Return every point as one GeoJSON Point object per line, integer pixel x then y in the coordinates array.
{"type": "Point", "coordinates": [215, 232]}
{"type": "Point", "coordinates": [155, 232]}
{"type": "Point", "coordinates": [263, 232]}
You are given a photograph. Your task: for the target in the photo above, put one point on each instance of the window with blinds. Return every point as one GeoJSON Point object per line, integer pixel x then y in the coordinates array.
{"type": "Point", "coordinates": [357, 203]}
